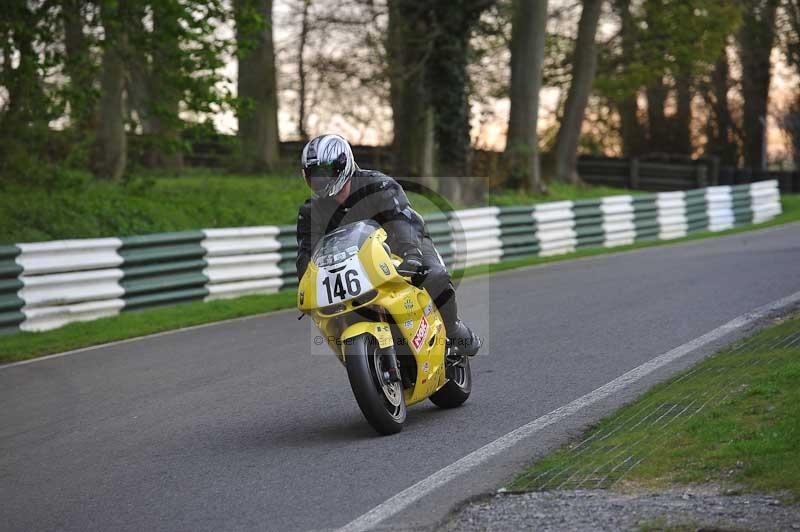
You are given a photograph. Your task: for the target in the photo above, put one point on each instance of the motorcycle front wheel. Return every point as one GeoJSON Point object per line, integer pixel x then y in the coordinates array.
{"type": "Point", "coordinates": [381, 403]}
{"type": "Point", "coordinates": [457, 389]}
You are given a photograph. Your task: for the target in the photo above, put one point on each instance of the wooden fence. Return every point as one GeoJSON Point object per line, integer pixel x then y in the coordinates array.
{"type": "Point", "coordinates": [657, 175]}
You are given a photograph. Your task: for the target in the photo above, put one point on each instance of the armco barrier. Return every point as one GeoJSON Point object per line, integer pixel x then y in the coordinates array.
{"type": "Point", "coordinates": [10, 303]}
{"type": "Point", "coordinates": [46, 285]}
{"type": "Point", "coordinates": [69, 280]}
{"type": "Point", "coordinates": [242, 261]}
{"type": "Point", "coordinates": [164, 268]}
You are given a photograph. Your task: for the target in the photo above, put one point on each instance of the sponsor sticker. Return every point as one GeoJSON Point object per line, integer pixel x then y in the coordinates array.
{"type": "Point", "coordinates": [408, 324]}
{"type": "Point", "coordinates": [384, 336]}
{"type": "Point", "coordinates": [425, 367]}
{"type": "Point", "coordinates": [428, 308]}
{"type": "Point", "coordinates": [419, 336]}
{"type": "Point", "coordinates": [408, 304]}
{"type": "Point", "coordinates": [385, 268]}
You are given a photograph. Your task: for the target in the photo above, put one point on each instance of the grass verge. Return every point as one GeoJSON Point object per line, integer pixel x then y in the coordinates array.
{"type": "Point", "coordinates": [196, 198]}
{"type": "Point", "coordinates": [732, 420]}
{"type": "Point", "coordinates": [25, 345]}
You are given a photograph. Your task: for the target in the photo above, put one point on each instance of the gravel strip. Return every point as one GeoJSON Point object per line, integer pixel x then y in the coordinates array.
{"type": "Point", "coordinates": [694, 508]}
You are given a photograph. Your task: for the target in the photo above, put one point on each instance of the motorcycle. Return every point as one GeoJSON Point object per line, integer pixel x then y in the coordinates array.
{"type": "Point", "coordinates": [386, 331]}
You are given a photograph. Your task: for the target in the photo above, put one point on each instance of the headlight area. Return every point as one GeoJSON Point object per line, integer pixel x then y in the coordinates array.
{"type": "Point", "coordinates": [332, 310]}
{"type": "Point", "coordinates": [357, 303]}
{"type": "Point", "coordinates": [364, 299]}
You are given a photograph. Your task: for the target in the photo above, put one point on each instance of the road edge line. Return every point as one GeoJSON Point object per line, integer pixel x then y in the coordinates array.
{"type": "Point", "coordinates": [144, 337]}
{"type": "Point", "coordinates": [413, 493]}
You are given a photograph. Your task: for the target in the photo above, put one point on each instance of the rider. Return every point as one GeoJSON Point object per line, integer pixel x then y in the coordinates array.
{"type": "Point", "coordinates": [344, 193]}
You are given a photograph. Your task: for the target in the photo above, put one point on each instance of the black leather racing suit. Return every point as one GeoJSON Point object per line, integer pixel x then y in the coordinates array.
{"type": "Point", "coordinates": [376, 196]}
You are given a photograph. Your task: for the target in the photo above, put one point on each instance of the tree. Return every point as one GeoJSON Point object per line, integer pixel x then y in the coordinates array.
{"type": "Point", "coordinates": [301, 72]}
{"type": "Point", "coordinates": [756, 40]}
{"type": "Point", "coordinates": [447, 83]}
{"type": "Point", "coordinates": [584, 66]}
{"type": "Point", "coordinates": [155, 88]}
{"type": "Point", "coordinates": [175, 58]}
{"type": "Point", "coordinates": [408, 48]}
{"type": "Point", "coordinates": [257, 86]}
{"type": "Point", "coordinates": [345, 79]}
{"type": "Point", "coordinates": [27, 104]}
{"type": "Point", "coordinates": [527, 57]}
{"type": "Point", "coordinates": [627, 98]}
{"type": "Point", "coordinates": [111, 149]}
{"type": "Point", "coordinates": [667, 48]}
{"type": "Point", "coordinates": [658, 38]}
{"type": "Point", "coordinates": [789, 31]}
{"type": "Point", "coordinates": [720, 128]}
{"type": "Point", "coordinates": [79, 65]}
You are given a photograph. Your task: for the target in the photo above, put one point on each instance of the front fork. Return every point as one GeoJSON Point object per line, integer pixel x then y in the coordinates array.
{"type": "Point", "coordinates": [389, 359]}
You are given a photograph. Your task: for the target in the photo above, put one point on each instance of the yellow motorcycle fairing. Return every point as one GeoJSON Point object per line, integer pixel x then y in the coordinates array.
{"type": "Point", "coordinates": [411, 308]}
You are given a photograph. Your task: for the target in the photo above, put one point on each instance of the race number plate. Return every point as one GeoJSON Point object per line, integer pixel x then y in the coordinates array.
{"type": "Point", "coordinates": [341, 282]}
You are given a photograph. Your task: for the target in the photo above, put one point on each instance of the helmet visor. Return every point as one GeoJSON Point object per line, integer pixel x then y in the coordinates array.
{"type": "Point", "coordinates": [318, 176]}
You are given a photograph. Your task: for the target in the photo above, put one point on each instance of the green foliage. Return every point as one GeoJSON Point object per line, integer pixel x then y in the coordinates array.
{"type": "Point", "coordinates": [74, 206]}
{"type": "Point", "coordinates": [27, 103]}
{"type": "Point", "coordinates": [556, 191]}
{"type": "Point", "coordinates": [78, 207]}
{"type": "Point", "coordinates": [789, 32]}
{"type": "Point", "coordinates": [50, 53]}
{"type": "Point", "coordinates": [671, 38]}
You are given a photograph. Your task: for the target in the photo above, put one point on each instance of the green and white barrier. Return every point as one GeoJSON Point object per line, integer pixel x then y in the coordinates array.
{"type": "Point", "coordinates": [46, 285]}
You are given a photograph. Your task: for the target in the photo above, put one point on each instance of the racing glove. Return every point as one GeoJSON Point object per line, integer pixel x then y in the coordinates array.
{"type": "Point", "coordinates": [412, 266]}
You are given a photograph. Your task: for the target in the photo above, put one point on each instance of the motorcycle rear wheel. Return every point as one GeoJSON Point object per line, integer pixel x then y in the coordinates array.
{"type": "Point", "coordinates": [381, 403]}
{"type": "Point", "coordinates": [457, 389]}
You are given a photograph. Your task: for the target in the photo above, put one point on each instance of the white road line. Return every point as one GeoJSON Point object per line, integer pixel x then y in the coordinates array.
{"type": "Point", "coordinates": [422, 488]}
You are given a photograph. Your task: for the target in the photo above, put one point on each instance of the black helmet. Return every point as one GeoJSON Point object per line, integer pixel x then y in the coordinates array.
{"type": "Point", "coordinates": [328, 164]}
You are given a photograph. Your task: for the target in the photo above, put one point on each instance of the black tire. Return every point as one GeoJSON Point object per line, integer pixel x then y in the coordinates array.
{"type": "Point", "coordinates": [457, 389]}
{"type": "Point", "coordinates": [373, 397]}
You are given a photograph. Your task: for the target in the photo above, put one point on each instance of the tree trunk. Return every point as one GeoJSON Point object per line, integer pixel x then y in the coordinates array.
{"type": "Point", "coordinates": [630, 127]}
{"type": "Point", "coordinates": [628, 105]}
{"type": "Point", "coordinates": [412, 146]}
{"type": "Point", "coordinates": [657, 133]}
{"type": "Point", "coordinates": [448, 85]}
{"type": "Point", "coordinates": [78, 66]}
{"type": "Point", "coordinates": [257, 87]}
{"type": "Point", "coordinates": [166, 151]}
{"type": "Point", "coordinates": [527, 56]}
{"type": "Point", "coordinates": [682, 132]}
{"type": "Point", "coordinates": [584, 65]}
{"type": "Point", "coordinates": [301, 72]}
{"type": "Point", "coordinates": [720, 128]}
{"type": "Point", "coordinates": [111, 149]}
{"type": "Point", "coordinates": [756, 40]}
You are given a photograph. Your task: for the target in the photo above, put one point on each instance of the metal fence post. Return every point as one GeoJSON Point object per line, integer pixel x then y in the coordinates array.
{"type": "Point", "coordinates": [702, 176]}
{"type": "Point", "coordinates": [715, 163]}
{"type": "Point", "coordinates": [633, 176]}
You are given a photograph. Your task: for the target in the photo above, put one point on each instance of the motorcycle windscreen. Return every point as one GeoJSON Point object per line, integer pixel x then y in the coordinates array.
{"type": "Point", "coordinates": [341, 275]}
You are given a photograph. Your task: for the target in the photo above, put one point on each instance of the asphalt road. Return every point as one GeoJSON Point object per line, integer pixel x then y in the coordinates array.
{"type": "Point", "coordinates": [238, 426]}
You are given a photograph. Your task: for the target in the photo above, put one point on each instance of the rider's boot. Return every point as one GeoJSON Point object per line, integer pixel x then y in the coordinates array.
{"type": "Point", "coordinates": [463, 340]}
